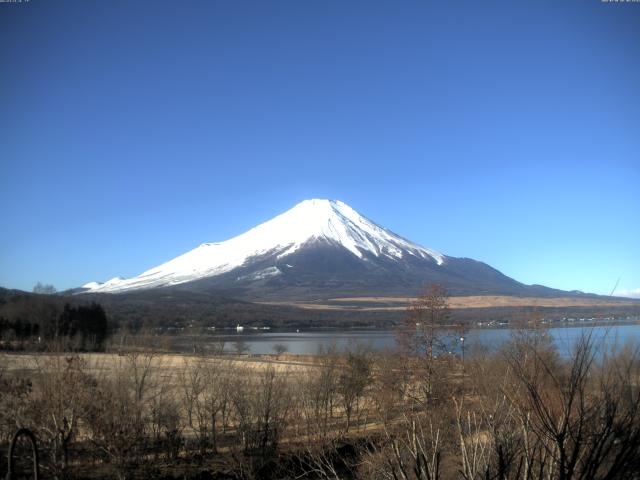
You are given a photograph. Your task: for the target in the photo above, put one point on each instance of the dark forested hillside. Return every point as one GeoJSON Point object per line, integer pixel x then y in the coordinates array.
{"type": "Point", "coordinates": [44, 318]}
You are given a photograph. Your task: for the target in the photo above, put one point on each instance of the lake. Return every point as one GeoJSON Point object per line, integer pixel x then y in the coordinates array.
{"type": "Point", "coordinates": [313, 341]}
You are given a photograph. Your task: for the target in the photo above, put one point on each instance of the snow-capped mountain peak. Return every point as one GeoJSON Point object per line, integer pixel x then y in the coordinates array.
{"type": "Point", "coordinates": [309, 222]}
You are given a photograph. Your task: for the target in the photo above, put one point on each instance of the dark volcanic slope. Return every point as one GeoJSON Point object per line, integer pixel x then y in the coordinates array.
{"type": "Point", "coordinates": [323, 270]}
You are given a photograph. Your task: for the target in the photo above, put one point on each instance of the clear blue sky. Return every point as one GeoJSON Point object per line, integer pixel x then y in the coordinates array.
{"type": "Point", "coordinates": [508, 132]}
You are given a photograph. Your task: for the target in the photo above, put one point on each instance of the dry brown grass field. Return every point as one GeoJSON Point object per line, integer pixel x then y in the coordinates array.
{"type": "Point", "coordinates": [373, 304]}
{"type": "Point", "coordinates": [168, 363]}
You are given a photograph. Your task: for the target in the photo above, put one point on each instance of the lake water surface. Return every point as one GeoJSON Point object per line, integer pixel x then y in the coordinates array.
{"type": "Point", "coordinates": [315, 341]}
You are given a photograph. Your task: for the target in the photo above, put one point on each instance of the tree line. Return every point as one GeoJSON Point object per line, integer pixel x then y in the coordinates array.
{"type": "Point", "coordinates": [33, 321]}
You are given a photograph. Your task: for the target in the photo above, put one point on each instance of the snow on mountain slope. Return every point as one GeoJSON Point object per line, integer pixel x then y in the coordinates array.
{"type": "Point", "coordinates": [310, 221]}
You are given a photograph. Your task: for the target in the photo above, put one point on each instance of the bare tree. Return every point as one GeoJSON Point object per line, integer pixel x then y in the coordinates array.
{"type": "Point", "coordinates": [420, 338]}
{"type": "Point", "coordinates": [261, 409]}
{"type": "Point", "coordinates": [205, 383]}
{"type": "Point", "coordinates": [279, 349]}
{"type": "Point", "coordinates": [390, 383]}
{"type": "Point", "coordinates": [193, 383]}
{"type": "Point", "coordinates": [354, 377]}
{"type": "Point", "coordinates": [579, 420]}
{"type": "Point", "coordinates": [15, 403]}
{"type": "Point", "coordinates": [540, 418]}
{"type": "Point", "coordinates": [118, 418]}
{"type": "Point", "coordinates": [271, 406]}
{"type": "Point", "coordinates": [45, 289]}
{"type": "Point", "coordinates": [164, 420]}
{"type": "Point", "coordinates": [59, 401]}
{"type": "Point", "coordinates": [411, 449]}
{"type": "Point", "coordinates": [319, 392]}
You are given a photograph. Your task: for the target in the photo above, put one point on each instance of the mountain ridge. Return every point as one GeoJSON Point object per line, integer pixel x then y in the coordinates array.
{"type": "Point", "coordinates": [320, 249]}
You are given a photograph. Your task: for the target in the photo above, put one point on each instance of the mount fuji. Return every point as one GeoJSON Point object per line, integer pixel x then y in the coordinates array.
{"type": "Point", "coordinates": [318, 249]}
